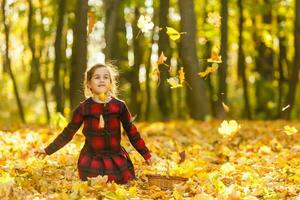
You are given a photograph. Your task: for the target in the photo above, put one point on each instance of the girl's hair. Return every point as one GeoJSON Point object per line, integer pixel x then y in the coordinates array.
{"type": "Point", "coordinates": [113, 73]}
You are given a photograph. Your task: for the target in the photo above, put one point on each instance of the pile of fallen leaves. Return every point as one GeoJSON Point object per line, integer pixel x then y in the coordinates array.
{"type": "Point", "coordinates": [259, 160]}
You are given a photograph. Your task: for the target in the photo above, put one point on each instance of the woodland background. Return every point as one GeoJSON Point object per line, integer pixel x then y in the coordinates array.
{"type": "Point", "coordinates": [46, 45]}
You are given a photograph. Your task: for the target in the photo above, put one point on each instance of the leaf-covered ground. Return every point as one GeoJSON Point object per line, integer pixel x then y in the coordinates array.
{"type": "Point", "coordinates": [259, 162]}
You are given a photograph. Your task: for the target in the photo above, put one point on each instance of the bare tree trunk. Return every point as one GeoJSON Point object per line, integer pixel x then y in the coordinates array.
{"type": "Point", "coordinates": [295, 71]}
{"type": "Point", "coordinates": [7, 63]}
{"type": "Point", "coordinates": [222, 70]}
{"type": "Point", "coordinates": [209, 83]}
{"type": "Point", "coordinates": [79, 54]}
{"type": "Point", "coordinates": [241, 62]}
{"type": "Point", "coordinates": [196, 98]}
{"type": "Point", "coordinates": [58, 82]}
{"type": "Point", "coordinates": [111, 15]}
{"type": "Point", "coordinates": [35, 64]}
{"type": "Point", "coordinates": [265, 68]}
{"type": "Point", "coordinates": [163, 90]}
{"type": "Point", "coordinates": [138, 52]}
{"type": "Point", "coordinates": [282, 62]}
{"type": "Point", "coordinates": [148, 80]}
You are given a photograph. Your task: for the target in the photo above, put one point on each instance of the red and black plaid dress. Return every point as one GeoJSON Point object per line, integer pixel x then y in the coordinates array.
{"type": "Point", "coordinates": [102, 153]}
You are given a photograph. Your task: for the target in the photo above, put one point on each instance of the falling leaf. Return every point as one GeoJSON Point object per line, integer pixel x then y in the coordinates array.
{"type": "Point", "coordinates": [209, 70]}
{"type": "Point", "coordinates": [145, 23]}
{"type": "Point", "coordinates": [229, 128]}
{"type": "Point", "coordinates": [214, 18]}
{"type": "Point", "coordinates": [214, 58]}
{"type": "Point", "coordinates": [290, 130]}
{"type": "Point", "coordinates": [102, 96]}
{"type": "Point", "coordinates": [91, 21]}
{"type": "Point", "coordinates": [284, 108]}
{"type": "Point", "coordinates": [174, 34]}
{"type": "Point", "coordinates": [226, 108]}
{"type": "Point", "coordinates": [174, 82]}
{"type": "Point", "coordinates": [162, 58]}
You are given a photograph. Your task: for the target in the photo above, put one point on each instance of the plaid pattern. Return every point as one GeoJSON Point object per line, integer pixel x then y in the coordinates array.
{"type": "Point", "coordinates": [102, 153]}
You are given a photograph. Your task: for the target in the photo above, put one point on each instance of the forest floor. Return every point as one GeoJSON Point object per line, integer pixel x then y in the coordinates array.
{"type": "Point", "coordinates": [260, 161]}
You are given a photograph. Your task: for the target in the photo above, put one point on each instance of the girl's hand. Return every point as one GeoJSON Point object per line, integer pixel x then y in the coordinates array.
{"type": "Point", "coordinates": [40, 153]}
{"type": "Point", "coordinates": [149, 161]}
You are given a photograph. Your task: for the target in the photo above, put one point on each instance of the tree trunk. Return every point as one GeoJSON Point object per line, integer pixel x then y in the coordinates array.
{"type": "Point", "coordinates": [148, 80]}
{"type": "Point", "coordinates": [295, 71]}
{"type": "Point", "coordinates": [196, 97]}
{"type": "Point", "coordinates": [241, 62]}
{"type": "Point", "coordinates": [282, 62]}
{"type": "Point", "coordinates": [209, 83]}
{"type": "Point", "coordinates": [58, 81]}
{"type": "Point", "coordinates": [35, 64]}
{"type": "Point", "coordinates": [265, 67]}
{"type": "Point", "coordinates": [79, 54]}
{"type": "Point", "coordinates": [163, 90]}
{"type": "Point", "coordinates": [222, 70]}
{"type": "Point", "coordinates": [138, 52]}
{"type": "Point", "coordinates": [7, 63]}
{"type": "Point", "coordinates": [111, 16]}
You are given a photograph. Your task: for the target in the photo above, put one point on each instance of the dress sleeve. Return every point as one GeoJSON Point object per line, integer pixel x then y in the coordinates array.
{"type": "Point", "coordinates": [68, 132]}
{"type": "Point", "coordinates": [132, 133]}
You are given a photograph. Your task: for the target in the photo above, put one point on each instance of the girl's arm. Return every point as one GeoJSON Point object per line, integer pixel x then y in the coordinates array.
{"type": "Point", "coordinates": [132, 133]}
{"type": "Point", "coordinates": [67, 134]}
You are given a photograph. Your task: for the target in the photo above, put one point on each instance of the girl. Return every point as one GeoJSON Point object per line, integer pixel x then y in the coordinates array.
{"type": "Point", "coordinates": [101, 115]}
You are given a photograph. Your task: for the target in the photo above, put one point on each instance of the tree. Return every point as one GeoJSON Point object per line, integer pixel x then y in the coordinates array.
{"type": "Point", "coordinates": [111, 16]}
{"type": "Point", "coordinates": [35, 64]}
{"type": "Point", "coordinates": [196, 97]}
{"type": "Point", "coordinates": [295, 71]}
{"type": "Point", "coordinates": [241, 62]}
{"type": "Point", "coordinates": [163, 90]}
{"type": "Point", "coordinates": [264, 62]}
{"type": "Point", "coordinates": [79, 54]}
{"type": "Point", "coordinates": [222, 70]}
{"type": "Point", "coordinates": [7, 62]}
{"type": "Point", "coordinates": [58, 56]}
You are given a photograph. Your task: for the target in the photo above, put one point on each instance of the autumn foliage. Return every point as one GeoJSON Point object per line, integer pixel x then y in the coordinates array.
{"type": "Point", "coordinates": [223, 160]}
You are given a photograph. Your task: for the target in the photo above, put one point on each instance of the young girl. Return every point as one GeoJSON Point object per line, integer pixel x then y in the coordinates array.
{"type": "Point", "coordinates": [101, 115]}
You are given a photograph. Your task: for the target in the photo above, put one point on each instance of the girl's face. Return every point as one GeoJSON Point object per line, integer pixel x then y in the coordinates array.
{"type": "Point", "coordinates": [100, 81]}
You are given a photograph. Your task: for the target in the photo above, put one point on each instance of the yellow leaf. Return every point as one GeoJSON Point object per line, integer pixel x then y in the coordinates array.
{"type": "Point", "coordinates": [177, 195]}
{"type": "Point", "coordinates": [121, 193]}
{"type": "Point", "coordinates": [174, 34]}
{"type": "Point", "coordinates": [174, 82]}
{"type": "Point", "coordinates": [209, 70]}
{"type": "Point", "coordinates": [102, 96]}
{"type": "Point", "coordinates": [290, 130]}
{"type": "Point", "coordinates": [229, 128]}
{"type": "Point", "coordinates": [132, 191]}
